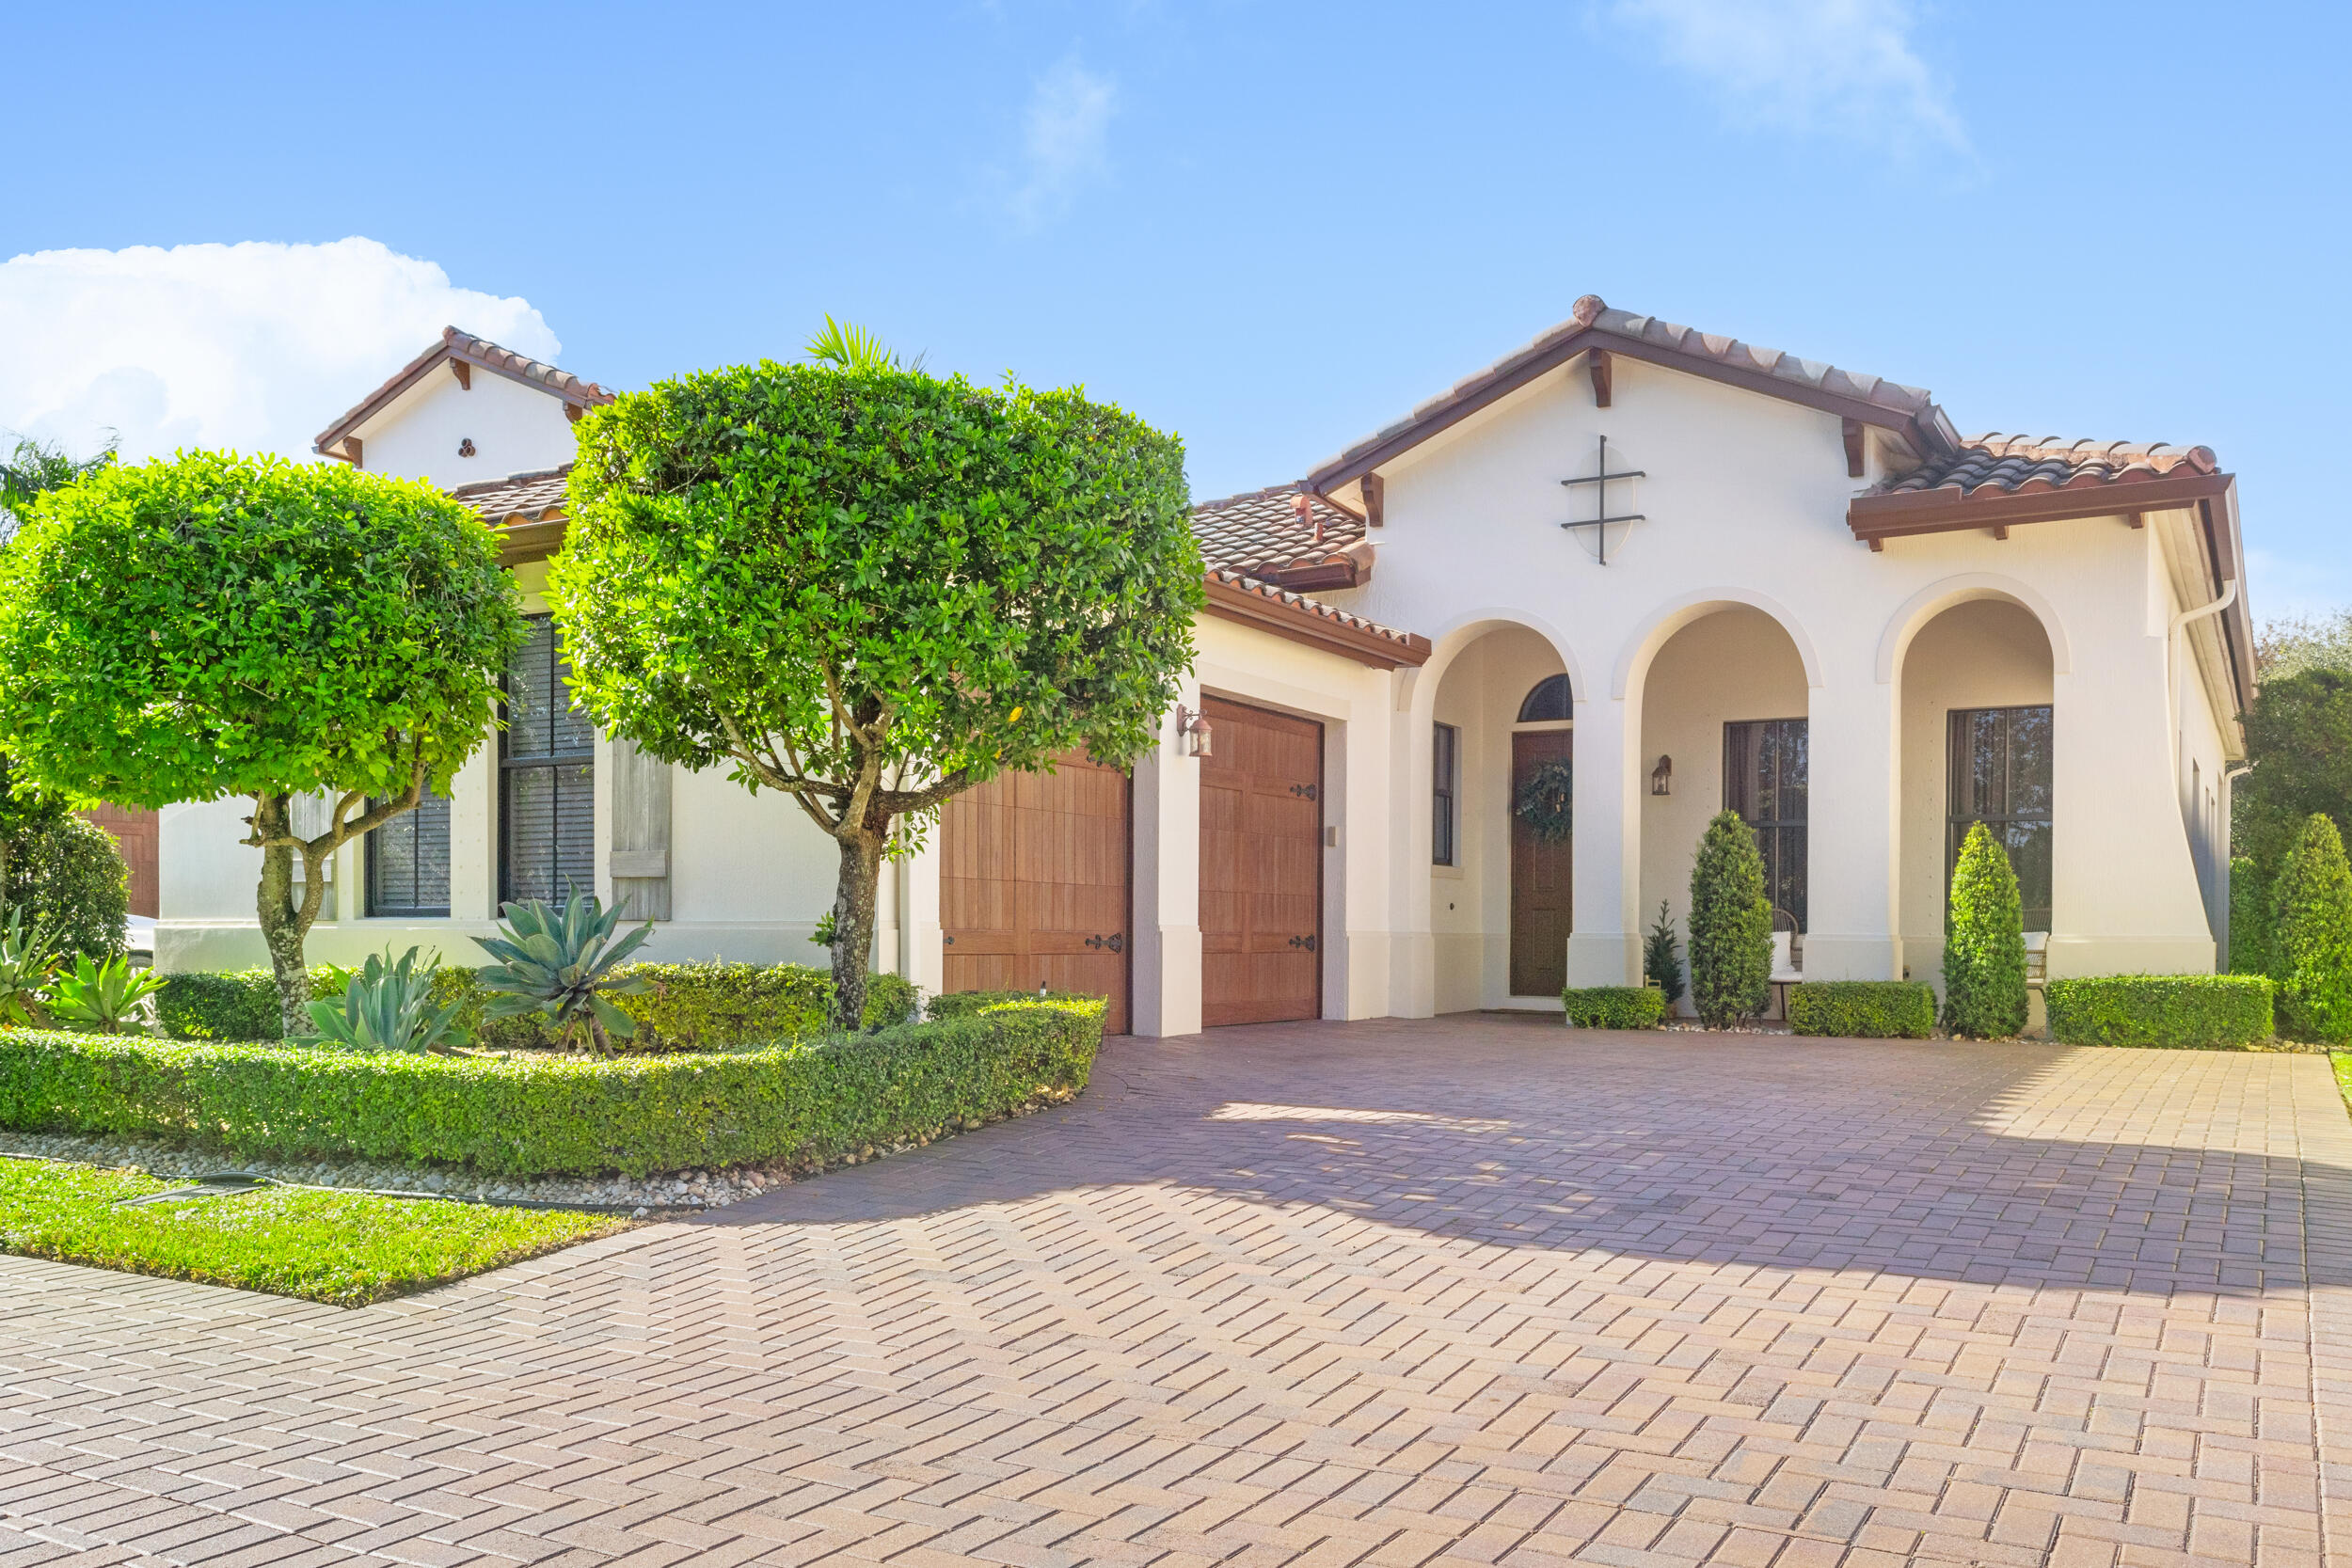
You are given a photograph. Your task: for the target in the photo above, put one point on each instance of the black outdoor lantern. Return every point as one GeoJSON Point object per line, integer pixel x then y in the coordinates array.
{"type": "Point", "coordinates": [1661, 778]}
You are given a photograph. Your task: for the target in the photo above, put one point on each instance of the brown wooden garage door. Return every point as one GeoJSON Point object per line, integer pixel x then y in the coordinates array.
{"type": "Point", "coordinates": [1261, 867]}
{"type": "Point", "coordinates": [1033, 884]}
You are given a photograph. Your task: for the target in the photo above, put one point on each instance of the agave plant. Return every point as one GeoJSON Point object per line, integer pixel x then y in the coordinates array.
{"type": "Point", "coordinates": [107, 999]}
{"type": "Point", "coordinates": [388, 1006]}
{"type": "Point", "coordinates": [560, 966]}
{"type": "Point", "coordinates": [28, 960]}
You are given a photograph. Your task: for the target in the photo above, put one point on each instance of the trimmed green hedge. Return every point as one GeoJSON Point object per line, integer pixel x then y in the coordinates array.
{"type": "Point", "coordinates": [811, 1104]}
{"type": "Point", "coordinates": [1863, 1009]}
{"type": "Point", "coordinates": [964, 1003]}
{"type": "Point", "coordinates": [1615, 1006]}
{"type": "Point", "coordinates": [700, 1006]}
{"type": "Point", "coordinates": [2172, 1010]}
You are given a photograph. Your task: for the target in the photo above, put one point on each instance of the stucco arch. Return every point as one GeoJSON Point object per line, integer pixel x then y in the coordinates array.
{"type": "Point", "coordinates": [1937, 597]}
{"type": "Point", "coordinates": [1418, 691]}
{"type": "Point", "coordinates": [1674, 614]}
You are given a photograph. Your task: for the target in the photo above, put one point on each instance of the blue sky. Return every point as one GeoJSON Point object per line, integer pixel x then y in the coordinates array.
{"type": "Point", "coordinates": [1268, 227]}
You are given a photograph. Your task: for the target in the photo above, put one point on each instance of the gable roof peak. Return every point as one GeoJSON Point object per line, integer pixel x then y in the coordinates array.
{"type": "Point", "coordinates": [1593, 325]}
{"type": "Point", "coordinates": [463, 348]}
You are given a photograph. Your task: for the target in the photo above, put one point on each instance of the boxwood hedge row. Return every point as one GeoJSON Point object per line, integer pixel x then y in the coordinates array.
{"type": "Point", "coordinates": [809, 1103]}
{"type": "Point", "coordinates": [1863, 1009]}
{"type": "Point", "coordinates": [2190, 1011]}
{"type": "Point", "coordinates": [1614, 1007]}
{"type": "Point", "coordinates": [690, 1007]}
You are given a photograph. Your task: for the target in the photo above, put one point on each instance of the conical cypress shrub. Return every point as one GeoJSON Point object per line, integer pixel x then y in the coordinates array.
{"type": "Point", "coordinates": [1984, 952]}
{"type": "Point", "coordinates": [2311, 936]}
{"type": "Point", "coordinates": [1662, 957]}
{"type": "Point", "coordinates": [1731, 925]}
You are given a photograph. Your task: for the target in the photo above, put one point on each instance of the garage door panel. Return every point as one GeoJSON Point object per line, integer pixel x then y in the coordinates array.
{"type": "Point", "coordinates": [1261, 867]}
{"type": "Point", "coordinates": [1034, 869]}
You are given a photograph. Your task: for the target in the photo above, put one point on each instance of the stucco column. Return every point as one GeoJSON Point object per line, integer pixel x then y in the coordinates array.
{"type": "Point", "coordinates": [2121, 865]}
{"type": "Point", "coordinates": [1357, 849]}
{"type": "Point", "coordinates": [920, 956]}
{"type": "Point", "coordinates": [1412, 950]}
{"type": "Point", "coordinates": [1166, 930]}
{"type": "Point", "coordinates": [1604, 944]}
{"type": "Point", "coordinates": [1855, 783]}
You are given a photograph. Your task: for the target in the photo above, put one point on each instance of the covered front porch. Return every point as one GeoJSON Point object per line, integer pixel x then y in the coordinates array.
{"type": "Point", "coordinates": [1858, 799]}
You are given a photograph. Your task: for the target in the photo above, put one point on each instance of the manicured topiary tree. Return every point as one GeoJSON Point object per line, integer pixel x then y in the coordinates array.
{"type": "Point", "coordinates": [70, 874]}
{"type": "Point", "coordinates": [216, 624]}
{"type": "Point", "coordinates": [869, 588]}
{"type": "Point", "coordinates": [2311, 936]}
{"type": "Point", "coordinates": [1984, 948]}
{"type": "Point", "coordinates": [1731, 925]}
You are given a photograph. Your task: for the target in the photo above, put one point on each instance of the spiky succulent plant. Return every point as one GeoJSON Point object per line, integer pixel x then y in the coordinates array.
{"type": "Point", "coordinates": [560, 966]}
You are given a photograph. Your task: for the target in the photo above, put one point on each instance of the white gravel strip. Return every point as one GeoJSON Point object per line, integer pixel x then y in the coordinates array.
{"type": "Point", "coordinates": [667, 1192]}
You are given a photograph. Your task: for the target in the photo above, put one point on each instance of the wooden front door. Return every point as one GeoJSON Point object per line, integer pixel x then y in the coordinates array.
{"type": "Point", "coordinates": [1033, 884]}
{"type": "Point", "coordinates": [1539, 877]}
{"type": "Point", "coordinates": [1261, 867]}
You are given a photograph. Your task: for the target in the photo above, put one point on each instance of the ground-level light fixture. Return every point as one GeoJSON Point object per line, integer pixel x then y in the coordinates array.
{"type": "Point", "coordinates": [1192, 732]}
{"type": "Point", "coordinates": [1661, 778]}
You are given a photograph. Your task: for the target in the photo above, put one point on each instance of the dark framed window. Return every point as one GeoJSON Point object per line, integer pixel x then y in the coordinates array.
{"type": "Point", "coordinates": [1548, 698]}
{"type": "Point", "coordinates": [1444, 772]}
{"type": "Point", "coordinates": [408, 861]}
{"type": "Point", "coordinates": [1764, 780]}
{"type": "Point", "coordinates": [2000, 776]}
{"type": "Point", "coordinates": [547, 778]}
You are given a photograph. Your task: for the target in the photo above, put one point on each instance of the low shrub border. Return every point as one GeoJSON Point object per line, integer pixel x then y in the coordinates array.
{"type": "Point", "coordinates": [2179, 1011]}
{"type": "Point", "coordinates": [1615, 1006]}
{"type": "Point", "coordinates": [810, 1104]}
{"type": "Point", "coordinates": [695, 1006]}
{"type": "Point", "coordinates": [1863, 1009]}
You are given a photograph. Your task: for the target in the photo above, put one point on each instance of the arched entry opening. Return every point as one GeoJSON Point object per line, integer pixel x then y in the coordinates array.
{"type": "Point", "coordinates": [1725, 725]}
{"type": "Point", "coordinates": [1978, 744]}
{"type": "Point", "coordinates": [1499, 883]}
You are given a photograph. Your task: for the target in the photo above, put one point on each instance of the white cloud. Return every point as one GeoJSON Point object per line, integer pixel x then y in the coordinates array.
{"type": "Point", "coordinates": [254, 346]}
{"type": "Point", "coordinates": [1845, 66]}
{"type": "Point", "coordinates": [1065, 140]}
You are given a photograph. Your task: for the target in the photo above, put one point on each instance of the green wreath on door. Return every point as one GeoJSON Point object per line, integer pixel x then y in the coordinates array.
{"type": "Point", "coordinates": [1547, 800]}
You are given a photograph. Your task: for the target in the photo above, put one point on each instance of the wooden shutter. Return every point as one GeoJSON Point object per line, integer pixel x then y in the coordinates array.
{"type": "Point", "coordinates": [641, 832]}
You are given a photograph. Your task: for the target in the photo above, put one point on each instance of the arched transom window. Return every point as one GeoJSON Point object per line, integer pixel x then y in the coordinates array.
{"type": "Point", "coordinates": [1549, 699]}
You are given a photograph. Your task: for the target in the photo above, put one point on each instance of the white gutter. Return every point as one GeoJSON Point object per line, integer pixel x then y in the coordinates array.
{"type": "Point", "coordinates": [2172, 680]}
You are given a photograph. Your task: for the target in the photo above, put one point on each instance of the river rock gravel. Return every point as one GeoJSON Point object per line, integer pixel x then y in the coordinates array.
{"type": "Point", "coordinates": [669, 1193]}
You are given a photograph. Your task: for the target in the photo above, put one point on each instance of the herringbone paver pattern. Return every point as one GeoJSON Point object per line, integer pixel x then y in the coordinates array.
{"type": "Point", "coordinates": [1479, 1291]}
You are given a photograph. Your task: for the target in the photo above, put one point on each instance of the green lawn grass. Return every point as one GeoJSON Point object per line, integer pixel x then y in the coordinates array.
{"type": "Point", "coordinates": [344, 1249]}
{"type": "Point", "coordinates": [2342, 1060]}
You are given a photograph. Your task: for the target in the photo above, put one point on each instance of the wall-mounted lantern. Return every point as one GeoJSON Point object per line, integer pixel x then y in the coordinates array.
{"type": "Point", "coordinates": [1661, 778]}
{"type": "Point", "coordinates": [464, 447]}
{"type": "Point", "coordinates": [1193, 733]}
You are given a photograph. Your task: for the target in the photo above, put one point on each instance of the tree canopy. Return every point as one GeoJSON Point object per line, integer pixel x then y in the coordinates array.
{"type": "Point", "coordinates": [2299, 734]}
{"type": "Point", "coordinates": [215, 624]}
{"type": "Point", "coordinates": [870, 588]}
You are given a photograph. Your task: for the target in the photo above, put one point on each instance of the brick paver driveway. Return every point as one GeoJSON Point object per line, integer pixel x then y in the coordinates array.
{"type": "Point", "coordinates": [1479, 1290]}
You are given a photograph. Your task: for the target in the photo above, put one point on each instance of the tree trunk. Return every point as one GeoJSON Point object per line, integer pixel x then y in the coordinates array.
{"type": "Point", "coordinates": [282, 924]}
{"type": "Point", "coordinates": [853, 926]}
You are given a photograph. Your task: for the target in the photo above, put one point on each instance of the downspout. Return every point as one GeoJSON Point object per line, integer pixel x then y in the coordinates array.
{"type": "Point", "coordinates": [2171, 681]}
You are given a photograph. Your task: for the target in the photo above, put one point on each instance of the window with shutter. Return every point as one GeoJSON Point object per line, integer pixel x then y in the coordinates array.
{"type": "Point", "coordinates": [408, 861]}
{"type": "Point", "coordinates": [547, 778]}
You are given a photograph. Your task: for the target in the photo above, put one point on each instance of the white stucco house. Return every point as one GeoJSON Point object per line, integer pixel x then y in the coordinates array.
{"type": "Point", "coordinates": [1695, 573]}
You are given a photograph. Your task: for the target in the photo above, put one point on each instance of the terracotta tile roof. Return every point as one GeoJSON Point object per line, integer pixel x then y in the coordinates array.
{"type": "Point", "coordinates": [2010, 465]}
{"type": "Point", "coordinates": [469, 351]}
{"type": "Point", "coordinates": [1288, 613]}
{"type": "Point", "coordinates": [1263, 535]}
{"type": "Point", "coordinates": [1596, 325]}
{"type": "Point", "coordinates": [529, 498]}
